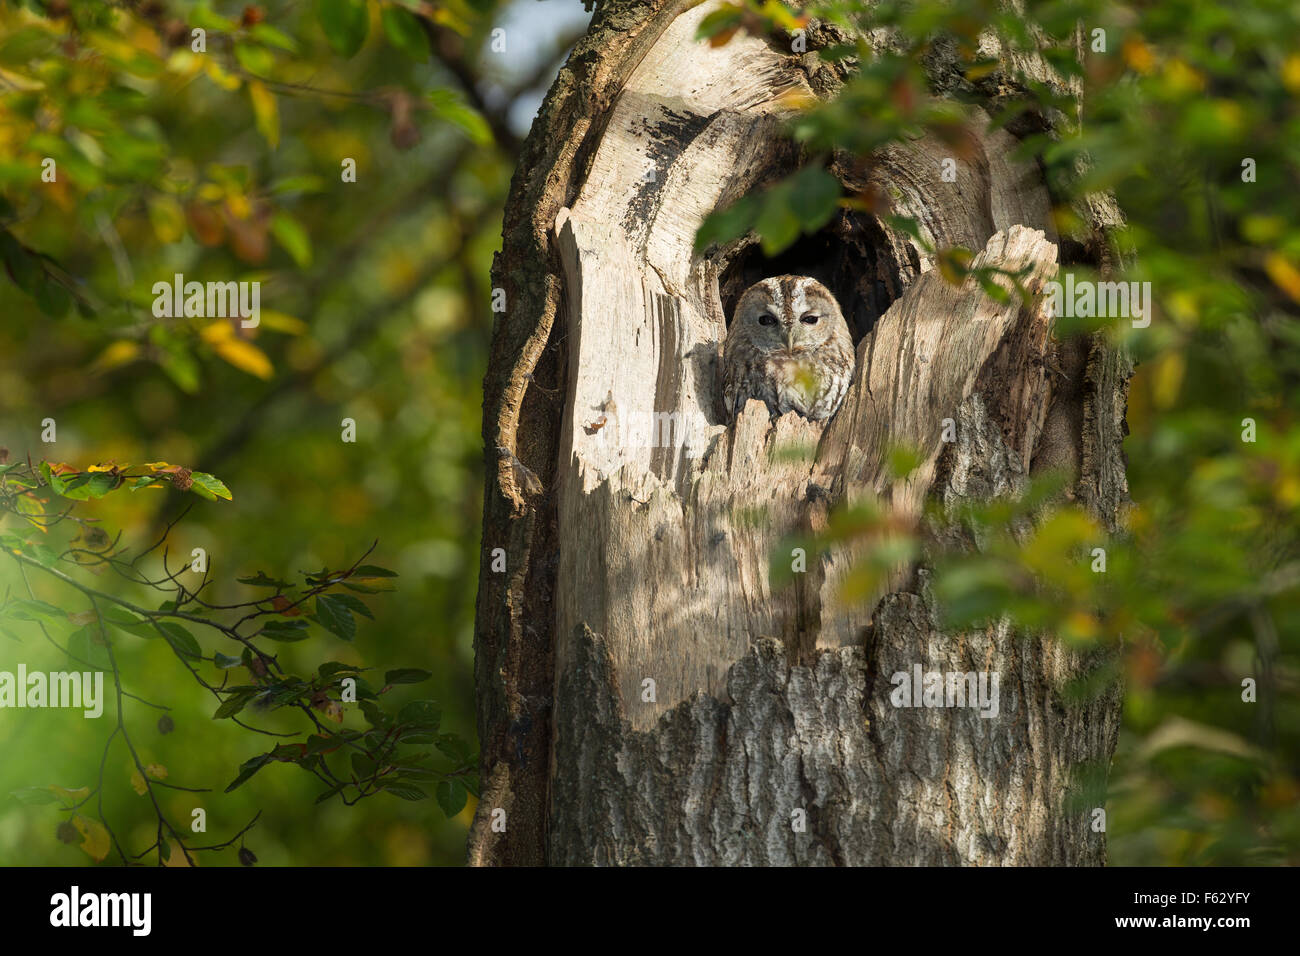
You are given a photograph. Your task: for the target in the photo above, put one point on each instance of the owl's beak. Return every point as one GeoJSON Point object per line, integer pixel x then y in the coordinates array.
{"type": "Point", "coordinates": [789, 338]}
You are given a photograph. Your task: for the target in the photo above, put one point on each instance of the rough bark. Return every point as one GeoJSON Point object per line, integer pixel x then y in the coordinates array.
{"type": "Point", "coordinates": [639, 529]}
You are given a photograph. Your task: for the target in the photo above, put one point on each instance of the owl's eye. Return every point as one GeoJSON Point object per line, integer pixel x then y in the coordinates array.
{"type": "Point", "coordinates": [767, 318]}
{"type": "Point", "coordinates": [809, 318]}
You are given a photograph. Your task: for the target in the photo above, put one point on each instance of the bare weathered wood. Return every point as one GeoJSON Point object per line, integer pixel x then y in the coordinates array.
{"type": "Point", "coordinates": [698, 703]}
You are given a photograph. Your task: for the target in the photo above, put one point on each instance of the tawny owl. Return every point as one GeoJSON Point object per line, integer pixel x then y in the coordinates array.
{"type": "Point", "coordinates": [789, 346]}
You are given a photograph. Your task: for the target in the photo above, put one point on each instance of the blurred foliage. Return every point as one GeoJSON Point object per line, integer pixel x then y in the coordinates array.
{"type": "Point", "coordinates": [352, 156]}
{"type": "Point", "coordinates": [1200, 590]}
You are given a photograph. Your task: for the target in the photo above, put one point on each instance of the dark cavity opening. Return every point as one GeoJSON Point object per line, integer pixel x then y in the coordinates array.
{"type": "Point", "coordinates": [851, 256]}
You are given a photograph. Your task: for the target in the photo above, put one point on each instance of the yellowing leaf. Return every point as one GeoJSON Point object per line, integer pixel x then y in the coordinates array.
{"type": "Point", "coordinates": [265, 112]}
{"type": "Point", "coordinates": [137, 782]}
{"type": "Point", "coordinates": [117, 354]}
{"type": "Point", "coordinates": [95, 840]}
{"type": "Point", "coordinates": [1168, 382]}
{"type": "Point", "coordinates": [239, 205]}
{"type": "Point", "coordinates": [185, 62]}
{"type": "Point", "coordinates": [1138, 55]}
{"type": "Point", "coordinates": [168, 218]}
{"type": "Point", "coordinates": [71, 796]}
{"type": "Point", "coordinates": [1079, 626]}
{"type": "Point", "coordinates": [32, 509]}
{"type": "Point", "coordinates": [157, 771]}
{"type": "Point", "coordinates": [1183, 78]}
{"type": "Point", "coordinates": [444, 17]}
{"type": "Point", "coordinates": [283, 323]}
{"type": "Point", "coordinates": [333, 710]}
{"type": "Point", "coordinates": [219, 76]}
{"type": "Point", "coordinates": [796, 99]}
{"type": "Point", "coordinates": [245, 356]}
{"type": "Point", "coordinates": [1284, 275]}
{"type": "Point", "coordinates": [1291, 73]}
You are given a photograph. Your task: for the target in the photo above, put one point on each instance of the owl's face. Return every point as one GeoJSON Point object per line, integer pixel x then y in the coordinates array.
{"type": "Point", "coordinates": [789, 315]}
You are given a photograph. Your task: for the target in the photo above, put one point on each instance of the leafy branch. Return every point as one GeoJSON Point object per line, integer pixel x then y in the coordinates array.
{"type": "Point", "coordinates": [401, 753]}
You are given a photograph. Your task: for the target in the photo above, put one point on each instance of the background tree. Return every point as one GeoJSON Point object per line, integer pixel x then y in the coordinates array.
{"type": "Point", "coordinates": [227, 164]}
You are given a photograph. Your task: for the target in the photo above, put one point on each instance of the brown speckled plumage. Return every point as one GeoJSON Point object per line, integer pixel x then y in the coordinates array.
{"type": "Point", "coordinates": [789, 346]}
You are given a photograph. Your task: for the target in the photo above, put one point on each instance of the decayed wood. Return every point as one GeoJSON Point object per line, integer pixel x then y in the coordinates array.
{"type": "Point", "coordinates": [514, 616]}
{"type": "Point", "coordinates": [697, 704]}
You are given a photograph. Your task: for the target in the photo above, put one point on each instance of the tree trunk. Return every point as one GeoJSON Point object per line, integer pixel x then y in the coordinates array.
{"type": "Point", "coordinates": [649, 690]}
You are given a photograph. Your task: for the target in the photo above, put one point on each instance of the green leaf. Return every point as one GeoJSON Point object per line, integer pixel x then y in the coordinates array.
{"type": "Point", "coordinates": [362, 766]}
{"type": "Point", "coordinates": [406, 675]}
{"type": "Point", "coordinates": [352, 604]}
{"type": "Point", "coordinates": [404, 32]}
{"type": "Point", "coordinates": [345, 23]}
{"type": "Point", "coordinates": [406, 791]}
{"type": "Point", "coordinates": [374, 716]}
{"type": "Point", "coordinates": [209, 486]}
{"type": "Point", "coordinates": [454, 748]}
{"type": "Point", "coordinates": [81, 486]}
{"type": "Point", "coordinates": [335, 617]}
{"type": "Point", "coordinates": [255, 59]}
{"type": "Point", "coordinates": [470, 783]}
{"type": "Point", "coordinates": [330, 668]}
{"type": "Point", "coordinates": [52, 298]}
{"type": "Point", "coordinates": [289, 753]}
{"type": "Point", "coordinates": [317, 744]}
{"type": "Point", "coordinates": [232, 705]}
{"type": "Point", "coordinates": [373, 571]}
{"type": "Point", "coordinates": [292, 237]}
{"type": "Point", "coordinates": [24, 609]}
{"type": "Point", "coordinates": [451, 797]}
{"type": "Point", "coordinates": [224, 661]}
{"type": "Point", "coordinates": [247, 769]}
{"type": "Point", "coordinates": [203, 16]}
{"type": "Point", "coordinates": [306, 183]}
{"type": "Point", "coordinates": [285, 631]}
{"type": "Point", "coordinates": [121, 618]}
{"type": "Point", "coordinates": [265, 33]}
{"type": "Point", "coordinates": [45, 555]}
{"type": "Point", "coordinates": [83, 646]}
{"type": "Point", "coordinates": [330, 792]}
{"type": "Point", "coordinates": [23, 268]}
{"type": "Point", "coordinates": [180, 639]}
{"type": "Point", "coordinates": [33, 796]}
{"type": "Point", "coordinates": [261, 580]}
{"type": "Point", "coordinates": [375, 586]}
{"type": "Point", "coordinates": [777, 223]}
{"type": "Point", "coordinates": [727, 224]}
{"type": "Point", "coordinates": [719, 21]}
{"type": "Point", "coordinates": [449, 107]}
{"type": "Point", "coordinates": [816, 196]}
{"type": "Point", "coordinates": [420, 713]}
